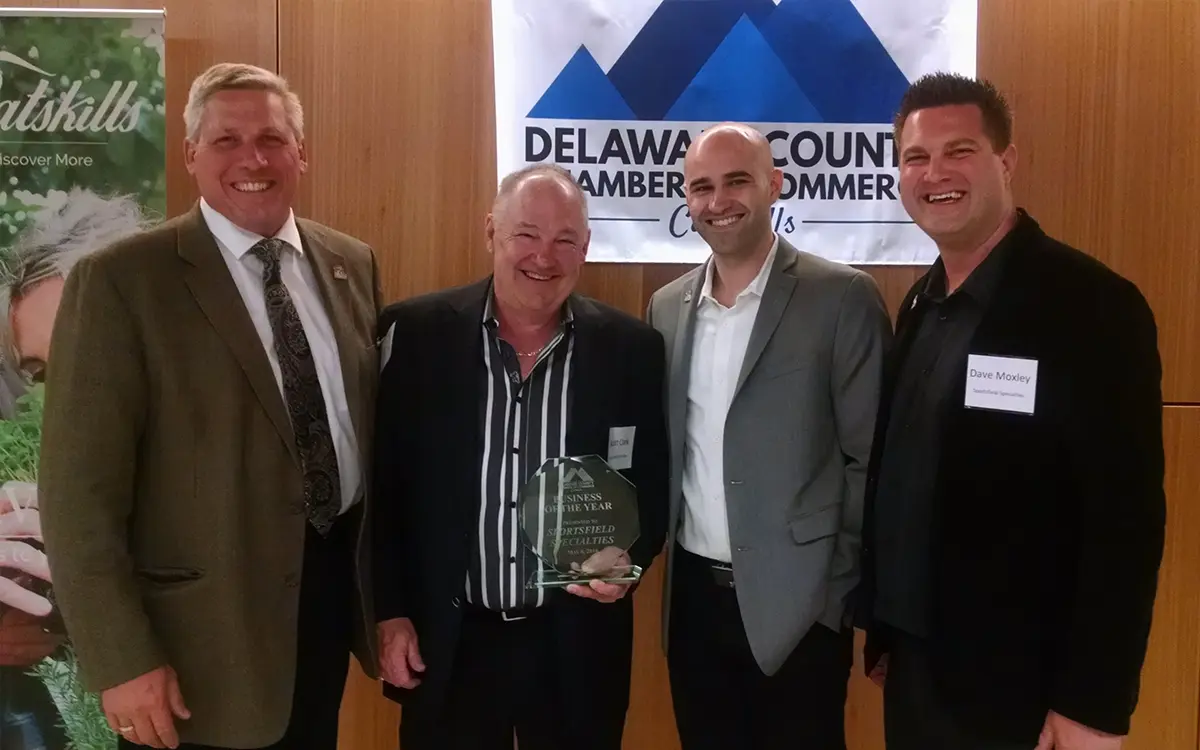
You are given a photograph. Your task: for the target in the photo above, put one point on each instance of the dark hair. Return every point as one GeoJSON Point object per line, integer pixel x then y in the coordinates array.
{"type": "Point", "coordinates": [945, 89]}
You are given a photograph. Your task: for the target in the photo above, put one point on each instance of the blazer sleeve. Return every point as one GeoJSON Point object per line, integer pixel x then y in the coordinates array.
{"type": "Point", "coordinates": [651, 455]}
{"type": "Point", "coordinates": [1115, 447]}
{"type": "Point", "coordinates": [94, 417]}
{"type": "Point", "coordinates": [388, 491]}
{"type": "Point", "coordinates": [861, 342]}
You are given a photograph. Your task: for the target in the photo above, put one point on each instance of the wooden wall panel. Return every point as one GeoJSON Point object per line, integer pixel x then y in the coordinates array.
{"type": "Point", "coordinates": [1166, 718]}
{"type": "Point", "coordinates": [622, 285]}
{"type": "Point", "coordinates": [399, 130]}
{"type": "Point", "coordinates": [198, 34]}
{"type": "Point", "coordinates": [1107, 97]}
{"type": "Point", "coordinates": [864, 706]}
{"type": "Point", "coordinates": [650, 723]}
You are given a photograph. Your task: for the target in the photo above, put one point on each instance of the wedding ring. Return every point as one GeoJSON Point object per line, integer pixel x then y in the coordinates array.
{"type": "Point", "coordinates": [124, 730]}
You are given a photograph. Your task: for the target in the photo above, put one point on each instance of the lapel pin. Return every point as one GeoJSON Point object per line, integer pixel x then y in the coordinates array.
{"type": "Point", "coordinates": [339, 272]}
{"type": "Point", "coordinates": [687, 295]}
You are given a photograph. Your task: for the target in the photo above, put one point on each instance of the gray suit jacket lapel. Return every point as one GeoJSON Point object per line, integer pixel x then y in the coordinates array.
{"type": "Point", "coordinates": [776, 296]}
{"type": "Point", "coordinates": [681, 358]}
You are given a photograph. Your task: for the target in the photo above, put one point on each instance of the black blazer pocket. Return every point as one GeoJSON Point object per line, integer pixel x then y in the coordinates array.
{"type": "Point", "coordinates": [817, 525]}
{"type": "Point", "coordinates": [168, 576]}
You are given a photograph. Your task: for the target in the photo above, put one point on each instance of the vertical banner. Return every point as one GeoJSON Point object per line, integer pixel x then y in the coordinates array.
{"type": "Point", "coordinates": [82, 163]}
{"type": "Point", "coordinates": [615, 91]}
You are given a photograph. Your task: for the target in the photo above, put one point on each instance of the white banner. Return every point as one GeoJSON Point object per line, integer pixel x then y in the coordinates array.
{"type": "Point", "coordinates": [615, 91]}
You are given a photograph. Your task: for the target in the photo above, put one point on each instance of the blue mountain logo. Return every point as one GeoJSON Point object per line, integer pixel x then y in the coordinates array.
{"type": "Point", "coordinates": [583, 90]}
{"type": "Point", "coordinates": [749, 60]}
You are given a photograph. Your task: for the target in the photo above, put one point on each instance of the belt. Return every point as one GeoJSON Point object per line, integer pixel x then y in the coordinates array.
{"type": "Point", "coordinates": [720, 572]}
{"type": "Point", "coordinates": [478, 612]}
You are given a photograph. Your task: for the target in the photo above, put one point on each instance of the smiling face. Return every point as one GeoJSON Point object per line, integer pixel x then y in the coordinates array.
{"type": "Point", "coordinates": [731, 184]}
{"type": "Point", "coordinates": [953, 183]}
{"type": "Point", "coordinates": [538, 236]}
{"type": "Point", "coordinates": [246, 159]}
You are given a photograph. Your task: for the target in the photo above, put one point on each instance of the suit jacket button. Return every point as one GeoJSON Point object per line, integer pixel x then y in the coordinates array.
{"type": "Point", "coordinates": [456, 602]}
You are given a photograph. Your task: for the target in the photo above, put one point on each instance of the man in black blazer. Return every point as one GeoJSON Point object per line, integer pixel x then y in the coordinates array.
{"type": "Point", "coordinates": [1015, 505]}
{"type": "Point", "coordinates": [481, 385]}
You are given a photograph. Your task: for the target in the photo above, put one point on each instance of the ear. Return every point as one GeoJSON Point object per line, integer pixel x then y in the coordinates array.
{"type": "Point", "coordinates": [189, 156]}
{"type": "Point", "coordinates": [776, 183]}
{"type": "Point", "coordinates": [303, 151]}
{"type": "Point", "coordinates": [1009, 159]}
{"type": "Point", "coordinates": [489, 232]}
{"type": "Point", "coordinates": [587, 242]}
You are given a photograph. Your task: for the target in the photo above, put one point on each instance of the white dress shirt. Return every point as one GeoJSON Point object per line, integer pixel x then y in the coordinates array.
{"type": "Point", "coordinates": [719, 345]}
{"type": "Point", "coordinates": [301, 283]}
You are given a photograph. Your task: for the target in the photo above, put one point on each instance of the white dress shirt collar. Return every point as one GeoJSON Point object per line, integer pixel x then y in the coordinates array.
{"type": "Point", "coordinates": [755, 287]}
{"type": "Point", "coordinates": [239, 241]}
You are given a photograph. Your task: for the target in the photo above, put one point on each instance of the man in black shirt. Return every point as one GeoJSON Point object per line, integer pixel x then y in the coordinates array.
{"type": "Point", "coordinates": [481, 386]}
{"type": "Point", "coordinates": [1015, 506]}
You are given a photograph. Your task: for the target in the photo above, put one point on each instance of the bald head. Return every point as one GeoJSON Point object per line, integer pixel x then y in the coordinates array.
{"type": "Point", "coordinates": [733, 136]}
{"type": "Point", "coordinates": [731, 182]}
{"type": "Point", "coordinates": [546, 180]}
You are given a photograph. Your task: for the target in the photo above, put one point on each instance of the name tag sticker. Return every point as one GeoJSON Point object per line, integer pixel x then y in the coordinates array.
{"type": "Point", "coordinates": [1001, 383]}
{"type": "Point", "coordinates": [620, 447]}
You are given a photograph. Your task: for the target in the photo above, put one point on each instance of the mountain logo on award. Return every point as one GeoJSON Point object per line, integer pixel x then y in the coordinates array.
{"type": "Point", "coordinates": [577, 479]}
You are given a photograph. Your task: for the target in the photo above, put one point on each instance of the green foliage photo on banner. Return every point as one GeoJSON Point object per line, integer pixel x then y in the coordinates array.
{"type": "Point", "coordinates": [82, 164]}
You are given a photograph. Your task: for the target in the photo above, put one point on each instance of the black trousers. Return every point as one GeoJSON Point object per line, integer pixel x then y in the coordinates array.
{"type": "Point", "coordinates": [506, 688]}
{"type": "Point", "coordinates": [324, 636]}
{"type": "Point", "coordinates": [916, 716]}
{"type": "Point", "coordinates": [723, 700]}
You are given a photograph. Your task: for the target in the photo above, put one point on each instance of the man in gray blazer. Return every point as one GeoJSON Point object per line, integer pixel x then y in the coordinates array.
{"type": "Point", "coordinates": [775, 362]}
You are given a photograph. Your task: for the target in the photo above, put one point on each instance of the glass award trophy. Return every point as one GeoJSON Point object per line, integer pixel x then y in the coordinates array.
{"type": "Point", "coordinates": [579, 517]}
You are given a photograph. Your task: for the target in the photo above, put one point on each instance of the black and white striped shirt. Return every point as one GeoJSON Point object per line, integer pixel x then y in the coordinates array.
{"type": "Point", "coordinates": [524, 423]}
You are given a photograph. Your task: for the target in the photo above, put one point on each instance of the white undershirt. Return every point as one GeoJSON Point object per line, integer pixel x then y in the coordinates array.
{"type": "Point", "coordinates": [301, 283]}
{"type": "Point", "coordinates": [719, 345]}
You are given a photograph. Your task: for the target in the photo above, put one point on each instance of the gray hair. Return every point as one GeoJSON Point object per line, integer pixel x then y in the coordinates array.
{"type": "Point", "coordinates": [239, 77]}
{"type": "Point", "coordinates": [513, 180]}
{"type": "Point", "coordinates": [55, 242]}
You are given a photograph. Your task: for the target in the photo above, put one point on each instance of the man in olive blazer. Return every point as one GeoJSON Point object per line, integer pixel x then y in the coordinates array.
{"type": "Point", "coordinates": [175, 483]}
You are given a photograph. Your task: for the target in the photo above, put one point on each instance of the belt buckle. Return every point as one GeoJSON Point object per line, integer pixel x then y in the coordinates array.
{"type": "Point", "coordinates": [504, 615]}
